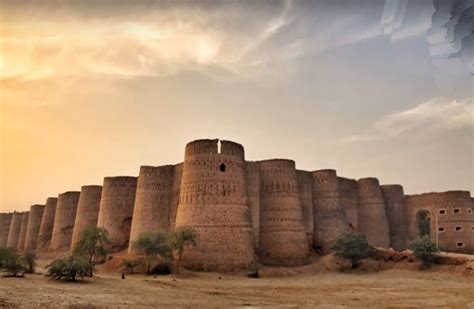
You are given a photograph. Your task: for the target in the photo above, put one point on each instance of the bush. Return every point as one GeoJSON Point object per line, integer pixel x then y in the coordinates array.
{"type": "Point", "coordinates": [93, 245]}
{"type": "Point", "coordinates": [161, 269]}
{"type": "Point", "coordinates": [153, 245]}
{"type": "Point", "coordinates": [424, 249]}
{"type": "Point", "coordinates": [69, 268]}
{"type": "Point", "coordinates": [29, 258]}
{"type": "Point", "coordinates": [183, 237]}
{"type": "Point", "coordinates": [130, 265]}
{"type": "Point", "coordinates": [11, 262]}
{"type": "Point", "coordinates": [354, 247]}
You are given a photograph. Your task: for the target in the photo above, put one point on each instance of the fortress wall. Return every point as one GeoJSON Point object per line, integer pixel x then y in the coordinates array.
{"type": "Point", "coordinates": [372, 218]}
{"type": "Point", "coordinates": [87, 211]}
{"type": "Point", "coordinates": [252, 171]}
{"type": "Point", "coordinates": [394, 197]}
{"type": "Point", "coordinates": [283, 238]}
{"type": "Point", "coordinates": [456, 221]}
{"type": "Point", "coordinates": [305, 189]}
{"type": "Point", "coordinates": [116, 209]}
{"type": "Point", "coordinates": [415, 204]}
{"type": "Point", "coordinates": [330, 222]}
{"type": "Point", "coordinates": [348, 190]}
{"type": "Point", "coordinates": [213, 201]}
{"type": "Point", "coordinates": [470, 241]}
{"type": "Point", "coordinates": [14, 232]}
{"type": "Point", "coordinates": [175, 191]}
{"type": "Point", "coordinates": [5, 221]}
{"type": "Point", "coordinates": [64, 219]}
{"type": "Point", "coordinates": [152, 202]}
{"type": "Point", "coordinates": [46, 227]}
{"type": "Point", "coordinates": [32, 230]}
{"type": "Point", "coordinates": [24, 224]}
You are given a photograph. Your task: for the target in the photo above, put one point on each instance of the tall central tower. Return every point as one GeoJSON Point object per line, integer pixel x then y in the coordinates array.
{"type": "Point", "coordinates": [214, 201]}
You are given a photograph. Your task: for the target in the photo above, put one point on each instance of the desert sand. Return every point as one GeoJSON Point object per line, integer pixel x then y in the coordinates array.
{"type": "Point", "coordinates": [375, 285]}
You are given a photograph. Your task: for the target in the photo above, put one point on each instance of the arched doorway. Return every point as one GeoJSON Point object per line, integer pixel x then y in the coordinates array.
{"type": "Point", "coordinates": [423, 223]}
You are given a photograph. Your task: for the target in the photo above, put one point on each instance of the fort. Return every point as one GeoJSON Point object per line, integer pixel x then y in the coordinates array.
{"type": "Point", "coordinates": [244, 212]}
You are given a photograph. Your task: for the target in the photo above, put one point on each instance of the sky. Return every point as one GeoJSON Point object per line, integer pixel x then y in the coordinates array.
{"type": "Point", "coordinates": [90, 89]}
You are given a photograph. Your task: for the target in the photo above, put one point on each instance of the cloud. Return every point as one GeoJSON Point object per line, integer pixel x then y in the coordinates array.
{"type": "Point", "coordinates": [434, 115]}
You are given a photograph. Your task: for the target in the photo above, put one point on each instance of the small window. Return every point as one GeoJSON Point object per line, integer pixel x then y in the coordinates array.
{"type": "Point", "coordinates": [222, 167]}
{"type": "Point", "coordinates": [442, 211]}
{"type": "Point", "coordinates": [456, 210]}
{"type": "Point", "coordinates": [460, 244]}
{"type": "Point", "coordinates": [441, 229]}
{"type": "Point", "coordinates": [469, 211]}
{"type": "Point", "coordinates": [458, 228]}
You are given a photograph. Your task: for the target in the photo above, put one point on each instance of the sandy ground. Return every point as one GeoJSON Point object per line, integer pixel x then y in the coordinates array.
{"type": "Point", "coordinates": [376, 284]}
{"type": "Point", "coordinates": [395, 288]}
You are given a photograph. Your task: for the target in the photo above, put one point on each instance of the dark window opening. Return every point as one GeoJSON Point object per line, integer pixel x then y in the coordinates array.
{"type": "Point", "coordinates": [458, 228]}
{"type": "Point", "coordinates": [222, 167]}
{"type": "Point", "coordinates": [456, 210]}
{"type": "Point", "coordinates": [441, 229]}
{"type": "Point", "coordinates": [442, 212]}
{"type": "Point", "coordinates": [460, 245]}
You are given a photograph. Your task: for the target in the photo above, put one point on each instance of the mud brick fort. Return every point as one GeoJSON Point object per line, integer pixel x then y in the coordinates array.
{"type": "Point", "coordinates": [244, 212]}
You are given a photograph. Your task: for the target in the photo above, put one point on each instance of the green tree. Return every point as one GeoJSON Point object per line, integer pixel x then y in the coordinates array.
{"type": "Point", "coordinates": [424, 249]}
{"type": "Point", "coordinates": [29, 258]}
{"type": "Point", "coordinates": [183, 237]}
{"type": "Point", "coordinates": [93, 245]}
{"type": "Point", "coordinates": [69, 268]}
{"type": "Point", "coordinates": [130, 265]}
{"type": "Point", "coordinates": [354, 247]}
{"type": "Point", "coordinates": [152, 245]}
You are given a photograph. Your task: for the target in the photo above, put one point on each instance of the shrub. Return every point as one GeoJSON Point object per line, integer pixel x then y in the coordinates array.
{"type": "Point", "coordinates": [424, 249]}
{"type": "Point", "coordinates": [29, 258]}
{"type": "Point", "coordinates": [69, 268]}
{"type": "Point", "coordinates": [130, 265]}
{"type": "Point", "coordinates": [11, 262]}
{"type": "Point", "coordinates": [354, 247]}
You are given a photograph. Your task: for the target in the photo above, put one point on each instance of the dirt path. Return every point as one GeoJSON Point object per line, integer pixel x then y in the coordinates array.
{"type": "Point", "coordinates": [387, 289]}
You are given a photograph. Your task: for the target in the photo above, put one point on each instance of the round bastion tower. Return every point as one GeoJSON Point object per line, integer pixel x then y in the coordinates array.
{"type": "Point", "coordinates": [116, 209]}
{"type": "Point", "coordinates": [152, 202]}
{"type": "Point", "coordinates": [372, 218]}
{"type": "Point", "coordinates": [64, 219]}
{"type": "Point", "coordinates": [87, 211]}
{"type": "Point", "coordinates": [283, 239]}
{"type": "Point", "coordinates": [213, 201]}
{"type": "Point", "coordinates": [5, 221]}
{"type": "Point", "coordinates": [24, 225]}
{"type": "Point", "coordinates": [330, 222]}
{"type": "Point", "coordinates": [32, 230]}
{"type": "Point", "coordinates": [14, 232]}
{"type": "Point", "coordinates": [394, 199]}
{"type": "Point", "coordinates": [47, 222]}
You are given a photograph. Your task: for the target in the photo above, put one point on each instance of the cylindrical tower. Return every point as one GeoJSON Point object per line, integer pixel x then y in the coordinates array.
{"type": "Point", "coordinates": [24, 225]}
{"type": "Point", "coordinates": [14, 232]}
{"type": "Point", "coordinates": [152, 202]}
{"type": "Point", "coordinates": [87, 211]}
{"type": "Point", "coordinates": [116, 209]}
{"type": "Point", "coordinates": [305, 188]}
{"type": "Point", "coordinates": [348, 190]}
{"type": "Point", "coordinates": [46, 227]}
{"type": "Point", "coordinates": [213, 201]}
{"type": "Point", "coordinates": [32, 230]}
{"type": "Point", "coordinates": [330, 222]}
{"type": "Point", "coordinates": [372, 218]}
{"type": "Point", "coordinates": [252, 171]}
{"type": "Point", "coordinates": [64, 219]}
{"type": "Point", "coordinates": [5, 221]}
{"type": "Point", "coordinates": [283, 238]}
{"type": "Point", "coordinates": [175, 191]}
{"type": "Point", "coordinates": [394, 197]}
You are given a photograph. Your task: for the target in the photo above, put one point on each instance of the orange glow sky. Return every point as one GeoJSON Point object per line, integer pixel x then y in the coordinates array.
{"type": "Point", "coordinates": [91, 90]}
